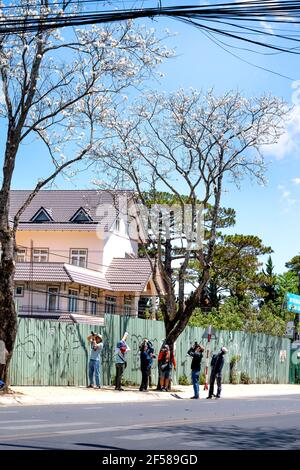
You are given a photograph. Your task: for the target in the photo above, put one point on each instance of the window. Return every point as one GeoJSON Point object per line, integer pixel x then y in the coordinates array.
{"type": "Point", "coordinates": [81, 217]}
{"type": "Point", "coordinates": [73, 300]}
{"type": "Point", "coordinates": [19, 291]}
{"type": "Point", "coordinates": [53, 298]}
{"type": "Point", "coordinates": [127, 304]}
{"type": "Point", "coordinates": [85, 302]}
{"type": "Point", "coordinates": [93, 304]}
{"type": "Point", "coordinates": [78, 257]}
{"type": "Point", "coordinates": [41, 216]}
{"type": "Point", "coordinates": [110, 305]}
{"type": "Point", "coordinates": [40, 255]}
{"type": "Point", "coordinates": [21, 255]}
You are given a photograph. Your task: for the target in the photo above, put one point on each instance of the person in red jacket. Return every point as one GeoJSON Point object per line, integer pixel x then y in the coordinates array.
{"type": "Point", "coordinates": [166, 361]}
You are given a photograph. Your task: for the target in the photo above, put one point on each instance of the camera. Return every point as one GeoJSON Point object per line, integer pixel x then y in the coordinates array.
{"type": "Point", "coordinates": [150, 348]}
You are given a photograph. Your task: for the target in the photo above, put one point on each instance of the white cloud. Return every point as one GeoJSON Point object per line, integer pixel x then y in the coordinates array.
{"type": "Point", "coordinates": [267, 27]}
{"type": "Point", "coordinates": [289, 142]}
{"type": "Point", "coordinates": [286, 201]}
{"type": "Point", "coordinates": [296, 181]}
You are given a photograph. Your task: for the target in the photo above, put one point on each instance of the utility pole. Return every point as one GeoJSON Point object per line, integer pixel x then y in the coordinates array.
{"type": "Point", "coordinates": [207, 357]}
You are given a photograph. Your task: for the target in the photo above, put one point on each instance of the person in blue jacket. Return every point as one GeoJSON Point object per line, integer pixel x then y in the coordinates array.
{"type": "Point", "coordinates": [146, 363]}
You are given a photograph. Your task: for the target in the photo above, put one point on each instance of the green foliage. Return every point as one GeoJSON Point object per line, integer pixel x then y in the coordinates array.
{"type": "Point", "coordinates": [202, 379]}
{"type": "Point", "coordinates": [236, 264]}
{"type": "Point", "coordinates": [294, 264]}
{"type": "Point", "coordinates": [269, 285]}
{"type": "Point", "coordinates": [233, 369]}
{"type": "Point", "coordinates": [234, 360]}
{"type": "Point", "coordinates": [287, 282]}
{"type": "Point", "coordinates": [147, 314]}
{"type": "Point", "coordinates": [184, 380]}
{"type": "Point", "coordinates": [128, 383]}
{"type": "Point", "coordinates": [235, 269]}
{"type": "Point", "coordinates": [270, 267]}
{"type": "Point", "coordinates": [245, 378]}
{"type": "Point", "coordinates": [243, 316]}
{"type": "Point", "coordinates": [124, 382]}
{"type": "Point", "coordinates": [159, 315]}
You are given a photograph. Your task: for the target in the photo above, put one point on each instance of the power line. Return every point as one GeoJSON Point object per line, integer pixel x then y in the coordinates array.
{"type": "Point", "coordinates": [89, 300]}
{"type": "Point", "coordinates": [281, 11]}
{"type": "Point", "coordinates": [55, 253]}
{"type": "Point", "coordinates": [220, 44]}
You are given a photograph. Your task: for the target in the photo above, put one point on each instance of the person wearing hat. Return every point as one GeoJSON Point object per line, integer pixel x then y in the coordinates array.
{"type": "Point", "coordinates": [96, 343]}
{"type": "Point", "coordinates": [196, 352]}
{"type": "Point", "coordinates": [217, 364]}
{"type": "Point", "coordinates": [120, 359]}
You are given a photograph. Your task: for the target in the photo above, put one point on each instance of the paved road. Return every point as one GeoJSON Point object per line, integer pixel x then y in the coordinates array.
{"type": "Point", "coordinates": [260, 423]}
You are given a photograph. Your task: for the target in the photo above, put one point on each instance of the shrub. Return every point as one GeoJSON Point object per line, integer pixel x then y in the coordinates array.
{"type": "Point", "coordinates": [245, 378]}
{"type": "Point", "coordinates": [233, 369]}
{"type": "Point", "coordinates": [202, 379]}
{"type": "Point", "coordinates": [124, 382]}
{"type": "Point", "coordinates": [183, 380]}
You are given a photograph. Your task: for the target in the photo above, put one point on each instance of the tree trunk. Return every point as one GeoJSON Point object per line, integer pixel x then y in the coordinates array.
{"type": "Point", "coordinates": [8, 315]}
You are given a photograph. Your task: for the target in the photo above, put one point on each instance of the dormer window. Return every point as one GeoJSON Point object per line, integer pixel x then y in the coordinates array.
{"type": "Point", "coordinates": [81, 217]}
{"type": "Point", "coordinates": [42, 216]}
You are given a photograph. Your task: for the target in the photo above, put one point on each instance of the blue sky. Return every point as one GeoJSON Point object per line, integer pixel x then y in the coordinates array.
{"type": "Point", "coordinates": [271, 212]}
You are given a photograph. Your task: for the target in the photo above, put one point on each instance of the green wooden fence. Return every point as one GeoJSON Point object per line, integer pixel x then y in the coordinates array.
{"type": "Point", "coordinates": [53, 353]}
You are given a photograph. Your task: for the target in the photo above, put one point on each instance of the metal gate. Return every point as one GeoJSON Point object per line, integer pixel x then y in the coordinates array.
{"type": "Point", "coordinates": [295, 364]}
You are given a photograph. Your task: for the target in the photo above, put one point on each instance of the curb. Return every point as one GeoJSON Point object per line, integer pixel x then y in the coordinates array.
{"type": "Point", "coordinates": [83, 396]}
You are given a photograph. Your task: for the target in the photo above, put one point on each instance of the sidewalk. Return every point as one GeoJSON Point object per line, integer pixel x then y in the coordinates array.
{"type": "Point", "coordinates": [72, 395]}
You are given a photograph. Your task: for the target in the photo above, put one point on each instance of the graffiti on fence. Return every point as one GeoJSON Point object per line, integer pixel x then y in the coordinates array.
{"type": "Point", "coordinates": [135, 342]}
{"type": "Point", "coordinates": [49, 353]}
{"type": "Point", "coordinates": [27, 350]}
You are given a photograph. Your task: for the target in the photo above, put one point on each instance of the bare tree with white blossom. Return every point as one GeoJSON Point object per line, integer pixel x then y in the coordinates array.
{"type": "Point", "coordinates": [192, 146]}
{"type": "Point", "coordinates": [60, 90]}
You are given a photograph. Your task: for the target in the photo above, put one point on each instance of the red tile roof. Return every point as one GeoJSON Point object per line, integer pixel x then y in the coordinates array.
{"type": "Point", "coordinates": [60, 272]}
{"type": "Point", "coordinates": [125, 274]}
{"type": "Point", "coordinates": [87, 277]}
{"type": "Point", "coordinates": [40, 272]}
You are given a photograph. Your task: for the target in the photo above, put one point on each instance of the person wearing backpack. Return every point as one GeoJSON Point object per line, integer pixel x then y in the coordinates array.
{"type": "Point", "coordinates": [217, 363]}
{"type": "Point", "coordinates": [166, 362]}
{"type": "Point", "coordinates": [196, 352]}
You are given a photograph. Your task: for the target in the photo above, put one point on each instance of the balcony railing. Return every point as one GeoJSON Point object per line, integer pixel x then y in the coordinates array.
{"type": "Point", "coordinates": [35, 310]}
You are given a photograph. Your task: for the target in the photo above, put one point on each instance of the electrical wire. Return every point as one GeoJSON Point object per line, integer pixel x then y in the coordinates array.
{"type": "Point", "coordinates": [89, 301]}
{"type": "Point", "coordinates": [280, 11]}
{"type": "Point", "coordinates": [55, 253]}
